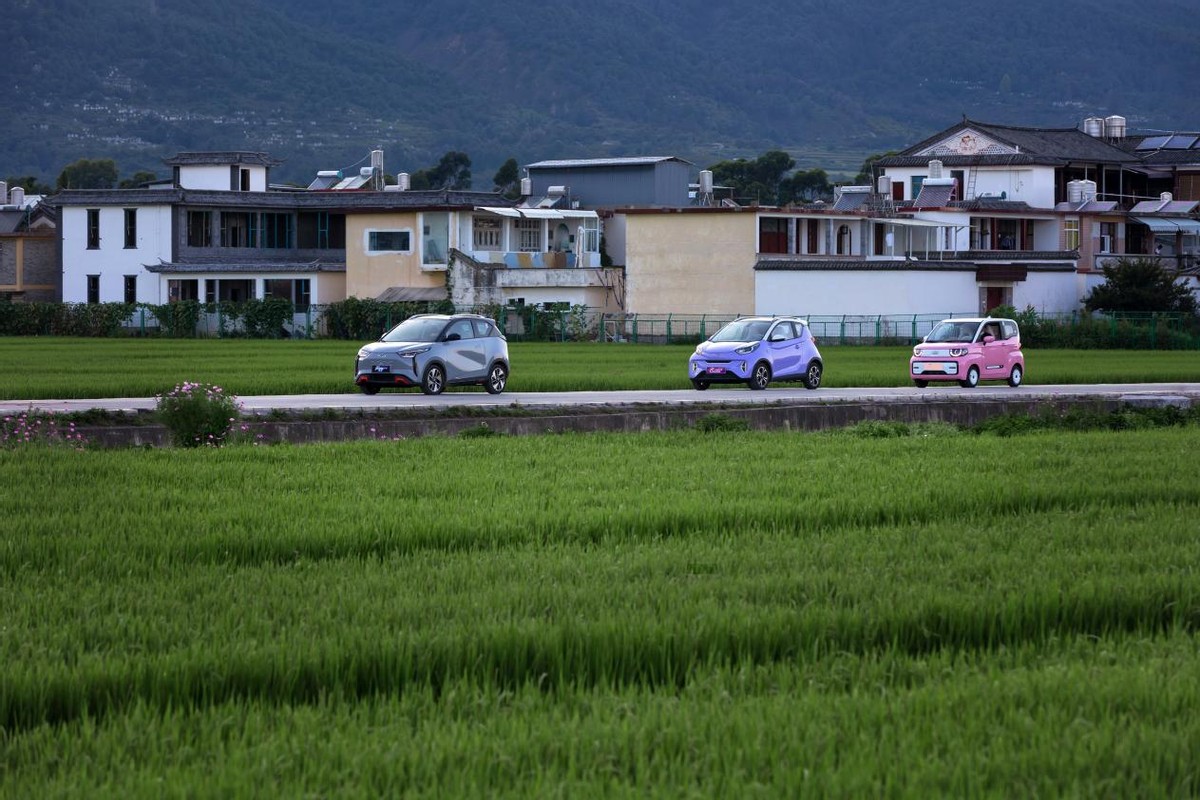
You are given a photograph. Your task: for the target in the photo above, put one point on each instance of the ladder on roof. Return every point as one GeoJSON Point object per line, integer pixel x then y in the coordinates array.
{"type": "Point", "coordinates": [969, 191]}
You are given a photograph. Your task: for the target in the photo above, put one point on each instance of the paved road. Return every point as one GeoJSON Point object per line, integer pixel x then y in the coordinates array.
{"type": "Point", "coordinates": [263, 404]}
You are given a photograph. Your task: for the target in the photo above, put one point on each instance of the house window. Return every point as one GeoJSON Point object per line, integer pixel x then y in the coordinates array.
{"type": "Point", "coordinates": [239, 179]}
{"type": "Point", "coordinates": [435, 238]}
{"type": "Point", "coordinates": [389, 241]}
{"type": "Point", "coordinates": [529, 235]}
{"type": "Point", "coordinates": [93, 229]}
{"type": "Point", "coordinates": [1071, 234]}
{"type": "Point", "coordinates": [320, 230]}
{"type": "Point", "coordinates": [178, 290]}
{"type": "Point", "coordinates": [772, 235]}
{"type": "Point", "coordinates": [131, 229]}
{"type": "Point", "coordinates": [199, 229]}
{"type": "Point", "coordinates": [237, 229]}
{"type": "Point", "coordinates": [228, 291]}
{"type": "Point", "coordinates": [843, 240]}
{"type": "Point", "coordinates": [93, 289]}
{"type": "Point", "coordinates": [488, 234]}
{"type": "Point", "coordinates": [297, 291]}
{"type": "Point", "coordinates": [1108, 236]}
{"type": "Point", "coordinates": [917, 181]}
{"type": "Point", "coordinates": [131, 289]}
{"type": "Point", "coordinates": [245, 180]}
{"type": "Point", "coordinates": [277, 230]}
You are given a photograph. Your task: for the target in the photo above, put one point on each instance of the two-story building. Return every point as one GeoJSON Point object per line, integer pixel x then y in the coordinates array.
{"type": "Point", "coordinates": [29, 269]}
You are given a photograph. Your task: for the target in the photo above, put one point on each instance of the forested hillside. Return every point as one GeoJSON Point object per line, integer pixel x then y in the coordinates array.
{"type": "Point", "coordinates": [319, 84]}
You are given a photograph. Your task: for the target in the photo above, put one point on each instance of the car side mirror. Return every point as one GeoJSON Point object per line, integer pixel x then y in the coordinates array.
{"type": "Point", "coordinates": [452, 337]}
{"type": "Point", "coordinates": [988, 338]}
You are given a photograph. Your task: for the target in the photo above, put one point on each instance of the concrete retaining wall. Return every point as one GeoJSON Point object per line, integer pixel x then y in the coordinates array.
{"type": "Point", "coordinates": [813, 416]}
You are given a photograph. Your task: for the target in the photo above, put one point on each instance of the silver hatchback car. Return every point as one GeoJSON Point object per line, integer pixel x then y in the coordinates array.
{"type": "Point", "coordinates": [434, 351]}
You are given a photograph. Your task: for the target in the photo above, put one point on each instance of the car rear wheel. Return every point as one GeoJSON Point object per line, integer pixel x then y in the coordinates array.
{"type": "Point", "coordinates": [972, 379]}
{"type": "Point", "coordinates": [812, 377]}
{"type": "Point", "coordinates": [497, 379]}
{"type": "Point", "coordinates": [760, 377]}
{"type": "Point", "coordinates": [920, 384]}
{"type": "Point", "coordinates": [699, 386]}
{"type": "Point", "coordinates": [368, 388]}
{"type": "Point", "coordinates": [1016, 376]}
{"type": "Point", "coordinates": [434, 379]}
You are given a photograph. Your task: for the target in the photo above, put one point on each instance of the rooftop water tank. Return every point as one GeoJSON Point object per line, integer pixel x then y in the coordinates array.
{"type": "Point", "coordinates": [17, 196]}
{"type": "Point", "coordinates": [706, 181]}
{"type": "Point", "coordinates": [1094, 126]}
{"type": "Point", "coordinates": [1114, 127]}
{"type": "Point", "coordinates": [935, 169]}
{"type": "Point", "coordinates": [402, 181]}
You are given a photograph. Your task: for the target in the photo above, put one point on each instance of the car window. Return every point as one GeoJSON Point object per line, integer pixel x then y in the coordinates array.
{"type": "Point", "coordinates": [783, 332]}
{"type": "Point", "coordinates": [953, 332]}
{"type": "Point", "coordinates": [1010, 328]}
{"type": "Point", "coordinates": [742, 330]}
{"type": "Point", "coordinates": [416, 329]}
{"type": "Point", "coordinates": [463, 328]}
{"type": "Point", "coordinates": [483, 327]}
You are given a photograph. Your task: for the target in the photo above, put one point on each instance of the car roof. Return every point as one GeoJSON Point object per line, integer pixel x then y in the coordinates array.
{"type": "Point", "coordinates": [978, 319]}
{"type": "Point", "coordinates": [801, 320]}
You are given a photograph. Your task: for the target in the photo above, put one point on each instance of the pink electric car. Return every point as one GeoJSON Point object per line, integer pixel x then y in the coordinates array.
{"type": "Point", "coordinates": [969, 350]}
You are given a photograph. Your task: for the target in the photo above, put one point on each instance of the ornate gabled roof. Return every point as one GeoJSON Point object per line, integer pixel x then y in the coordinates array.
{"type": "Point", "coordinates": [974, 143]}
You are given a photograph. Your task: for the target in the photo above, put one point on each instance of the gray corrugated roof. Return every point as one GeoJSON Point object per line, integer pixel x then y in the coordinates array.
{"type": "Point", "coordinates": [633, 161]}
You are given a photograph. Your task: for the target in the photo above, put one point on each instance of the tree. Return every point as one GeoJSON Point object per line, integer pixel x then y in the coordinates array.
{"type": "Point", "coordinates": [866, 173]}
{"type": "Point", "coordinates": [452, 172]}
{"type": "Point", "coordinates": [30, 183]}
{"type": "Point", "coordinates": [87, 173]}
{"type": "Point", "coordinates": [507, 179]}
{"type": "Point", "coordinates": [1140, 285]}
{"type": "Point", "coordinates": [809, 185]}
{"type": "Point", "coordinates": [760, 179]}
{"type": "Point", "coordinates": [137, 180]}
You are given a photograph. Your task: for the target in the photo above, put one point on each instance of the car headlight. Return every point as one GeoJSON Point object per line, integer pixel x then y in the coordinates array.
{"type": "Point", "coordinates": [747, 350]}
{"type": "Point", "coordinates": [958, 352]}
{"type": "Point", "coordinates": [413, 352]}
{"type": "Point", "coordinates": [916, 352]}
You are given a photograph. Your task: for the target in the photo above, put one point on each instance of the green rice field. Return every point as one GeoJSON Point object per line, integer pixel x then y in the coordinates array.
{"type": "Point", "coordinates": [59, 367]}
{"type": "Point", "coordinates": [675, 614]}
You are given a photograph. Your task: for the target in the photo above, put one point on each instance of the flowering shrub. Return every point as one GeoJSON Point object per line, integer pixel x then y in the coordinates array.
{"type": "Point", "coordinates": [38, 428]}
{"type": "Point", "coordinates": [198, 414]}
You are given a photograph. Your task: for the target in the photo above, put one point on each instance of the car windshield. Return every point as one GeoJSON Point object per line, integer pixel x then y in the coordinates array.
{"type": "Point", "coordinates": [953, 332]}
{"type": "Point", "coordinates": [742, 330]}
{"type": "Point", "coordinates": [416, 329]}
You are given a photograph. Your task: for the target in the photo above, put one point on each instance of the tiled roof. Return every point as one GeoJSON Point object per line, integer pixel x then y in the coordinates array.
{"type": "Point", "coordinates": [172, 268]}
{"type": "Point", "coordinates": [218, 157]}
{"type": "Point", "coordinates": [992, 204]}
{"type": "Point", "coordinates": [349, 201]}
{"type": "Point", "coordinates": [1032, 145]}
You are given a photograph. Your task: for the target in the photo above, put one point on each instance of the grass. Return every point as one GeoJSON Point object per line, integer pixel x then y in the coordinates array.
{"type": "Point", "coordinates": [65, 368]}
{"type": "Point", "coordinates": [694, 613]}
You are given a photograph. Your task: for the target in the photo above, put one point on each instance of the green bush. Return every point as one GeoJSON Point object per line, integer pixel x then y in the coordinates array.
{"type": "Point", "coordinates": [198, 414]}
{"type": "Point", "coordinates": [712, 423]}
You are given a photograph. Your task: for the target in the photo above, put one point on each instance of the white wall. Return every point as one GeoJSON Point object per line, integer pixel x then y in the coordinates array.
{"type": "Point", "coordinates": [864, 292]}
{"type": "Point", "coordinates": [1033, 184]}
{"type": "Point", "coordinates": [112, 261]}
{"type": "Point", "coordinates": [217, 176]}
{"type": "Point", "coordinates": [873, 292]}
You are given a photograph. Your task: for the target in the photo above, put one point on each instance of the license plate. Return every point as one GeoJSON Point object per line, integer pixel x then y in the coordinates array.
{"type": "Point", "coordinates": [381, 368]}
{"type": "Point", "coordinates": [716, 370]}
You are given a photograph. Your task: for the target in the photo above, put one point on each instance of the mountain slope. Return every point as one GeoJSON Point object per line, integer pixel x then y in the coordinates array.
{"type": "Point", "coordinates": [320, 84]}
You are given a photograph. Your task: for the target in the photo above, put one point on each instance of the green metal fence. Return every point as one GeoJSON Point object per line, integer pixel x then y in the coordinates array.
{"type": "Point", "coordinates": [579, 323]}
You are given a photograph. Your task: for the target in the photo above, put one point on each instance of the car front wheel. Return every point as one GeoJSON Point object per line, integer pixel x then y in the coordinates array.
{"type": "Point", "coordinates": [812, 377]}
{"type": "Point", "coordinates": [434, 379]}
{"type": "Point", "coordinates": [972, 379]}
{"type": "Point", "coordinates": [1016, 376]}
{"type": "Point", "coordinates": [497, 379]}
{"type": "Point", "coordinates": [760, 377]}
